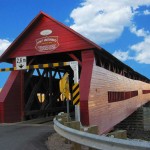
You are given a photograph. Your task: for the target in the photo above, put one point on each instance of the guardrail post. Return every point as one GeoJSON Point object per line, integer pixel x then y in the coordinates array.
{"type": "Point", "coordinates": [63, 117]}
{"type": "Point", "coordinates": [121, 134]}
{"type": "Point", "coordinates": [92, 130]}
{"type": "Point", "coordinates": [74, 125]}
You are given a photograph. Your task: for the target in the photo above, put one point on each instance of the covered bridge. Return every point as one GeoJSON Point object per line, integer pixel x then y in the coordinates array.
{"type": "Point", "coordinates": [109, 90]}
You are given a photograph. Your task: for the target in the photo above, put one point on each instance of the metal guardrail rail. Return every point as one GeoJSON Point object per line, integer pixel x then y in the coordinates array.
{"type": "Point", "coordinates": [98, 142]}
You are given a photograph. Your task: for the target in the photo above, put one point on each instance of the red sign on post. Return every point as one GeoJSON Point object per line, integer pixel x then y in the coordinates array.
{"type": "Point", "coordinates": [47, 43]}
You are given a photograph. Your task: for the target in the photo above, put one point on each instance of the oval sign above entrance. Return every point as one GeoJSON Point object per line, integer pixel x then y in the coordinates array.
{"type": "Point", "coordinates": [47, 43]}
{"type": "Point", "coordinates": [46, 32]}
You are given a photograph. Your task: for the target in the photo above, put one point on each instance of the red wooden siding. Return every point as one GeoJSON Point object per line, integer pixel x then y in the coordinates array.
{"type": "Point", "coordinates": [11, 99]}
{"type": "Point", "coordinates": [85, 79]}
{"type": "Point", "coordinates": [105, 114]}
{"type": "Point", "coordinates": [68, 41]}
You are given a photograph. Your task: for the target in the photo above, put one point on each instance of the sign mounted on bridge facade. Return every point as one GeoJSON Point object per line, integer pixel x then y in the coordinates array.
{"type": "Point", "coordinates": [46, 43]}
{"type": "Point", "coordinates": [21, 63]}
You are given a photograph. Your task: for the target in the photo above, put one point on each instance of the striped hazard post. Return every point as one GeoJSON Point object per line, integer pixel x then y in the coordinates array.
{"type": "Point", "coordinates": [76, 94]}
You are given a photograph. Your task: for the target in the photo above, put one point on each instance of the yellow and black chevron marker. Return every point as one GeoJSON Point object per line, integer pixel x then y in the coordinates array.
{"type": "Point", "coordinates": [40, 66]}
{"type": "Point", "coordinates": [76, 94]}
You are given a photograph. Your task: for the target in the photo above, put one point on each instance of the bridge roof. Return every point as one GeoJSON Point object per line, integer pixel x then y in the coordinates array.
{"type": "Point", "coordinates": [45, 35]}
{"type": "Point", "coordinates": [32, 41]}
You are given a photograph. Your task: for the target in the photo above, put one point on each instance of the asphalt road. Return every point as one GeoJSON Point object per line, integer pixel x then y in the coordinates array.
{"type": "Point", "coordinates": [24, 136]}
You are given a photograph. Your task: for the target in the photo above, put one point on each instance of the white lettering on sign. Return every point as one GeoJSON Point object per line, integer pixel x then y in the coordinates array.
{"type": "Point", "coordinates": [21, 63]}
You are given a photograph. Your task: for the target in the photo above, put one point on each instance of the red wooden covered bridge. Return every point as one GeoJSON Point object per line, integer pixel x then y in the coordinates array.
{"type": "Point", "coordinates": [109, 90]}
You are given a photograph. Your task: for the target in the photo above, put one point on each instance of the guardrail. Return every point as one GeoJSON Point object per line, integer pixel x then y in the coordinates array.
{"type": "Point", "coordinates": [97, 141]}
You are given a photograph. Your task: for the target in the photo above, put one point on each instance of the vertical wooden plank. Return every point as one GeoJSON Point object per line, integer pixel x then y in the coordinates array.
{"type": "Point", "coordinates": [1, 112]}
{"type": "Point", "coordinates": [85, 79]}
{"type": "Point", "coordinates": [10, 98]}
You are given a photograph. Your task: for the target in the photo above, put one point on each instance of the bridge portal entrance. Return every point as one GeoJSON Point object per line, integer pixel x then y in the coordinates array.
{"type": "Point", "coordinates": [34, 91]}
{"type": "Point", "coordinates": [42, 95]}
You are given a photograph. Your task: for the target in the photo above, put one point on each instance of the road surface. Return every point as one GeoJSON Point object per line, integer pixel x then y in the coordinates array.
{"type": "Point", "coordinates": [24, 136]}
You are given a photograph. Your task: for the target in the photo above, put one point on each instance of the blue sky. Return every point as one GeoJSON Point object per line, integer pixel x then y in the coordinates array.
{"type": "Point", "coordinates": [120, 27]}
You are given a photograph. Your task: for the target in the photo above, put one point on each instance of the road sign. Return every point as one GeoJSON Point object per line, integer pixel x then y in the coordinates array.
{"type": "Point", "coordinates": [21, 63]}
{"type": "Point", "coordinates": [64, 86]}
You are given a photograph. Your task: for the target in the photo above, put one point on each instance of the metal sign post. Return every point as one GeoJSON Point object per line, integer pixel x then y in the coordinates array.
{"type": "Point", "coordinates": [68, 112]}
{"type": "Point", "coordinates": [74, 66]}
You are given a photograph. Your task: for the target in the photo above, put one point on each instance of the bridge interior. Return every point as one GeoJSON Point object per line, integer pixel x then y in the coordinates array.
{"type": "Point", "coordinates": [42, 95]}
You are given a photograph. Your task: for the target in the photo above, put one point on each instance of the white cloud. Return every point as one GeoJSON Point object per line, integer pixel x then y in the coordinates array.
{"type": "Point", "coordinates": [142, 50]}
{"type": "Point", "coordinates": [4, 45]}
{"type": "Point", "coordinates": [140, 32]}
{"type": "Point", "coordinates": [104, 21]}
{"type": "Point", "coordinates": [146, 12]}
{"type": "Point", "coordinates": [123, 56]}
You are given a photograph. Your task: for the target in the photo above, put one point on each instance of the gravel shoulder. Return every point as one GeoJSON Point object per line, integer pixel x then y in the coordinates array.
{"type": "Point", "coordinates": [56, 142]}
